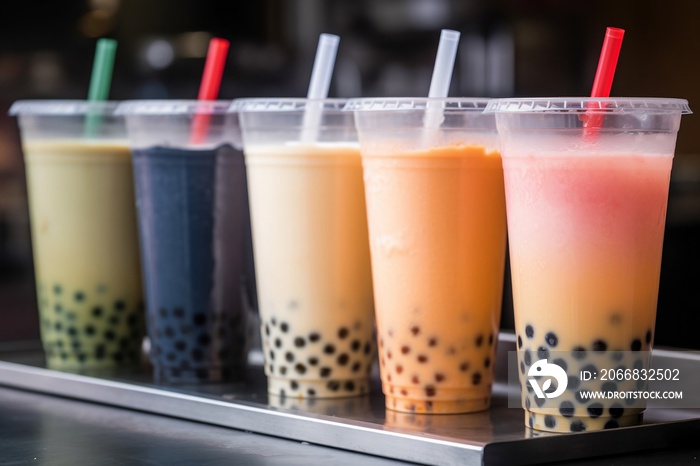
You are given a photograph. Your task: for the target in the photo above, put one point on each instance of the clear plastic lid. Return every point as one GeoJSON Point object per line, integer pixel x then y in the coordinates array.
{"type": "Point", "coordinates": [285, 104]}
{"type": "Point", "coordinates": [421, 103]}
{"type": "Point", "coordinates": [589, 105]}
{"type": "Point", "coordinates": [61, 107]}
{"type": "Point", "coordinates": [173, 107]}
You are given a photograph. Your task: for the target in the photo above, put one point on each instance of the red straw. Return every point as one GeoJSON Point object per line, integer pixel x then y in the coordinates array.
{"type": "Point", "coordinates": [209, 87]}
{"type": "Point", "coordinates": [607, 63]}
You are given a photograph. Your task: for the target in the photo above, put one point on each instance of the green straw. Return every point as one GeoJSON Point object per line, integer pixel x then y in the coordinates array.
{"type": "Point", "coordinates": [100, 81]}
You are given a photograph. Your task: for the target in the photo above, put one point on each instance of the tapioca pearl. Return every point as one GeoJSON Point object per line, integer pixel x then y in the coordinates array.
{"type": "Point", "coordinates": [299, 342]}
{"type": "Point", "coordinates": [390, 332]}
{"type": "Point", "coordinates": [311, 392]}
{"type": "Point", "coordinates": [531, 421]}
{"type": "Point", "coordinates": [520, 342]}
{"type": "Point", "coordinates": [278, 343]}
{"type": "Point", "coordinates": [487, 363]}
{"type": "Point", "coordinates": [284, 327]}
{"type": "Point", "coordinates": [647, 337]}
{"type": "Point", "coordinates": [114, 320]}
{"type": "Point", "coordinates": [476, 378]}
{"type": "Point", "coordinates": [58, 308]}
{"type": "Point", "coordinates": [177, 312]}
{"type": "Point", "coordinates": [464, 366]}
{"type": "Point", "coordinates": [120, 305]}
{"type": "Point", "coordinates": [343, 333]}
{"type": "Point", "coordinates": [333, 385]}
{"type": "Point", "coordinates": [184, 364]}
{"type": "Point", "coordinates": [313, 361]}
{"type": "Point", "coordinates": [349, 386]}
{"type": "Point", "coordinates": [57, 289]}
{"type": "Point", "coordinates": [415, 330]}
{"type": "Point", "coordinates": [185, 329]}
{"type": "Point", "coordinates": [599, 346]}
{"type": "Point", "coordinates": [595, 410]}
{"type": "Point", "coordinates": [356, 366]}
{"type": "Point", "coordinates": [368, 348]}
{"type": "Point", "coordinates": [539, 401]}
{"type": "Point", "coordinates": [561, 363]}
{"type": "Point", "coordinates": [528, 403]}
{"type": "Point", "coordinates": [566, 408]}
{"type": "Point", "coordinates": [542, 352]}
{"type": "Point", "coordinates": [204, 339]}
{"type": "Point", "coordinates": [82, 357]}
{"type": "Point", "coordinates": [432, 342]}
{"type": "Point", "coordinates": [551, 339]}
{"type": "Point", "coordinates": [479, 340]}
{"type": "Point", "coordinates": [300, 368]}
{"type": "Point", "coordinates": [100, 352]}
{"type": "Point", "coordinates": [638, 364]}
{"type": "Point", "coordinates": [330, 349]}
{"type": "Point", "coordinates": [289, 356]}
{"type": "Point", "coordinates": [199, 319]}
{"type": "Point", "coordinates": [522, 367]}
{"type": "Point", "coordinates": [79, 296]}
{"type": "Point", "coordinates": [578, 426]}
{"type": "Point", "coordinates": [422, 358]}
{"type": "Point", "coordinates": [529, 331]}
{"type": "Point", "coordinates": [197, 355]}
{"type": "Point", "coordinates": [202, 374]}
{"type": "Point", "coordinates": [71, 316]}
{"type": "Point", "coordinates": [405, 349]}
{"type": "Point", "coordinates": [578, 353]}
{"type": "Point", "coordinates": [415, 380]}
{"type": "Point", "coordinates": [429, 391]}
{"type": "Point", "coordinates": [590, 368]}
{"type": "Point", "coordinates": [636, 345]}
{"type": "Point", "coordinates": [617, 356]}
{"type": "Point", "coordinates": [573, 382]}
{"type": "Point", "coordinates": [325, 372]}
{"type": "Point", "coordinates": [616, 410]}
{"type": "Point", "coordinates": [271, 354]}
{"type": "Point", "coordinates": [608, 387]}
{"type": "Point", "coordinates": [124, 343]}
{"type": "Point", "coordinates": [76, 345]}
{"type": "Point", "coordinates": [169, 332]}
{"type": "Point", "coordinates": [72, 331]}
{"type": "Point", "coordinates": [550, 421]}
{"type": "Point", "coordinates": [527, 357]}
{"type": "Point", "coordinates": [343, 359]}
{"type": "Point", "coordinates": [58, 326]}
{"type": "Point", "coordinates": [611, 424]}
{"type": "Point", "coordinates": [283, 370]}
{"type": "Point", "coordinates": [314, 337]}
{"type": "Point", "coordinates": [171, 356]}
{"type": "Point", "coordinates": [439, 377]}
{"type": "Point", "coordinates": [355, 346]}
{"type": "Point", "coordinates": [388, 377]}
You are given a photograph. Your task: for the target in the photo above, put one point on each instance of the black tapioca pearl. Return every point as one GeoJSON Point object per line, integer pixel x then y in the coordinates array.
{"type": "Point", "coordinates": [314, 337]}
{"type": "Point", "coordinates": [272, 355]}
{"type": "Point", "coordinates": [464, 366]}
{"type": "Point", "coordinates": [313, 361]}
{"type": "Point", "coordinates": [561, 363]}
{"type": "Point", "coordinates": [550, 421]}
{"type": "Point", "coordinates": [529, 331]}
{"type": "Point", "coordinates": [580, 398]}
{"type": "Point", "coordinates": [608, 387]}
{"type": "Point", "coordinates": [349, 386]}
{"type": "Point", "coordinates": [283, 370]}
{"type": "Point", "coordinates": [566, 409]}
{"type": "Point", "coordinates": [520, 342]}
{"type": "Point", "coordinates": [82, 357]}
{"type": "Point", "coordinates": [539, 401]}
{"type": "Point", "coordinates": [647, 337]}
{"type": "Point", "coordinates": [356, 366]}
{"type": "Point", "coordinates": [284, 326]}
{"type": "Point", "coordinates": [118, 356]}
{"type": "Point", "coordinates": [487, 363]}
{"type": "Point", "coordinates": [76, 345]}
{"type": "Point", "coordinates": [578, 426]}
{"type": "Point", "coordinates": [180, 345]}
{"type": "Point", "coordinates": [527, 357]}
{"type": "Point", "coordinates": [120, 305]}
{"type": "Point", "coordinates": [204, 339]}
{"type": "Point", "coordinates": [343, 333]}
{"type": "Point", "coordinates": [289, 356]}
{"type": "Point", "coordinates": [198, 355]}
{"type": "Point", "coordinates": [58, 308]}
{"type": "Point", "coordinates": [422, 358]}
{"type": "Point", "coordinates": [579, 353]}
{"type": "Point", "coordinates": [59, 343]}
{"type": "Point", "coordinates": [132, 320]}
{"type": "Point", "coordinates": [57, 289]}
{"type": "Point", "coordinates": [58, 326]}
{"type": "Point", "coordinates": [64, 355]}
{"type": "Point", "coordinates": [479, 340]}
{"type": "Point", "coordinates": [343, 359]}
{"type": "Point", "coordinates": [617, 356]}
{"type": "Point", "coordinates": [333, 385]}
{"type": "Point", "coordinates": [185, 329]}
{"type": "Point", "coordinates": [542, 352]}
{"type": "Point", "coordinates": [355, 345]}
{"type": "Point", "coordinates": [429, 390]}
{"type": "Point", "coordinates": [367, 348]}
{"type": "Point", "coordinates": [415, 330]}
{"type": "Point", "coordinates": [100, 351]}
{"type": "Point", "coordinates": [79, 296]}
{"type": "Point", "coordinates": [300, 368]}
{"type": "Point", "coordinates": [202, 374]}
{"type": "Point", "coordinates": [169, 332]}
{"type": "Point", "coordinates": [522, 367]}
{"type": "Point", "coordinates": [399, 368]}
{"type": "Point", "coordinates": [599, 346]}
{"type": "Point", "coordinates": [531, 422]}
{"type": "Point", "coordinates": [184, 364]}
{"type": "Point", "coordinates": [311, 392]}
{"type": "Point", "coordinates": [528, 403]}
{"type": "Point", "coordinates": [278, 343]}
{"type": "Point", "coordinates": [491, 339]}
{"type": "Point", "coordinates": [595, 410]}
{"type": "Point", "coordinates": [72, 331]}
{"type": "Point", "coordinates": [590, 368]}
{"type": "Point", "coordinates": [273, 321]}
{"type": "Point", "coordinates": [71, 316]}
{"type": "Point", "coordinates": [636, 345]}
{"type": "Point", "coordinates": [415, 380]}
{"type": "Point", "coordinates": [432, 342]}
{"type": "Point", "coordinates": [177, 312]}
{"type": "Point", "coordinates": [299, 342]}
{"type": "Point", "coordinates": [476, 378]}
{"type": "Point", "coordinates": [294, 385]}
{"type": "Point", "coordinates": [611, 424]}
{"type": "Point", "coordinates": [439, 377]}
{"type": "Point", "coordinates": [199, 319]}
{"type": "Point", "coordinates": [325, 372]}
{"type": "Point", "coordinates": [616, 410]}
{"type": "Point", "coordinates": [573, 382]}
{"type": "Point", "coordinates": [638, 364]}
{"type": "Point", "coordinates": [551, 339]}
{"type": "Point", "coordinates": [267, 330]}
{"type": "Point", "coordinates": [329, 349]}
{"type": "Point", "coordinates": [114, 320]}
{"type": "Point", "coordinates": [124, 343]}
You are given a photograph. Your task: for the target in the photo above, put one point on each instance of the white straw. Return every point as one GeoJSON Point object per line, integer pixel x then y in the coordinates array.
{"type": "Point", "coordinates": [321, 75]}
{"type": "Point", "coordinates": [442, 76]}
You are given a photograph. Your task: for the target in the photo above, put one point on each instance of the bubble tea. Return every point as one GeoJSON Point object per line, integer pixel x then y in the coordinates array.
{"type": "Point", "coordinates": [586, 214]}
{"type": "Point", "coordinates": [84, 236]}
{"type": "Point", "coordinates": [311, 247]}
{"type": "Point", "coordinates": [191, 194]}
{"type": "Point", "coordinates": [437, 227]}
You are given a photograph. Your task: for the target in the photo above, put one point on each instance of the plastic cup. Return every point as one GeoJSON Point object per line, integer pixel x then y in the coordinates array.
{"type": "Point", "coordinates": [586, 214]}
{"type": "Point", "coordinates": [311, 247]}
{"type": "Point", "coordinates": [437, 227]}
{"type": "Point", "coordinates": [84, 235]}
{"type": "Point", "coordinates": [195, 238]}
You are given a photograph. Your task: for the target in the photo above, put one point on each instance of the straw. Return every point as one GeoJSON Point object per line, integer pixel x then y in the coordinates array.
{"type": "Point", "coordinates": [209, 86]}
{"type": "Point", "coordinates": [319, 84]}
{"type": "Point", "coordinates": [607, 64]}
{"type": "Point", "coordinates": [442, 76]}
{"type": "Point", "coordinates": [100, 82]}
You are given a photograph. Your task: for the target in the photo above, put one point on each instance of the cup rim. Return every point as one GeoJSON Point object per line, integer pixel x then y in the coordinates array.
{"type": "Point", "coordinates": [61, 107]}
{"type": "Point", "coordinates": [607, 105]}
{"type": "Point", "coordinates": [285, 104]}
{"type": "Point", "coordinates": [375, 104]}
{"type": "Point", "coordinates": [172, 107]}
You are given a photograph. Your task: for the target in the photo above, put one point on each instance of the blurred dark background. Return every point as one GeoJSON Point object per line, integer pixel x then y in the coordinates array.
{"type": "Point", "coordinates": [387, 48]}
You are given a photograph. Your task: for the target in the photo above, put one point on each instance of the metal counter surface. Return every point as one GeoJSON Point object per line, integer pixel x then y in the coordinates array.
{"type": "Point", "coordinates": [353, 426]}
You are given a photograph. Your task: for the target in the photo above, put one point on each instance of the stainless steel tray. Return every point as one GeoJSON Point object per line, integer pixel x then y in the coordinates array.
{"type": "Point", "coordinates": [497, 436]}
